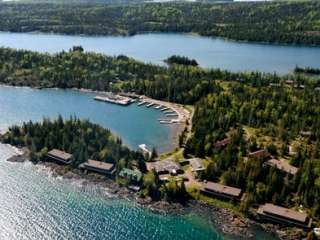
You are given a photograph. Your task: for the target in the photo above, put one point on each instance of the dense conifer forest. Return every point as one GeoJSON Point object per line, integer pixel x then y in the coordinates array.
{"type": "Point", "coordinates": [84, 140]}
{"type": "Point", "coordinates": [283, 22]}
{"type": "Point", "coordinates": [282, 119]}
{"type": "Point", "coordinates": [79, 69]}
{"type": "Point", "coordinates": [254, 110]}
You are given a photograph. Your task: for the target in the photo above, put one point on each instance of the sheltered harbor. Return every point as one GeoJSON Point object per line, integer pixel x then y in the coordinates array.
{"type": "Point", "coordinates": [173, 113]}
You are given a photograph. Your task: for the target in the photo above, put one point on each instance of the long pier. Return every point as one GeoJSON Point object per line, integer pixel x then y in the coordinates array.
{"type": "Point", "coordinates": [173, 113]}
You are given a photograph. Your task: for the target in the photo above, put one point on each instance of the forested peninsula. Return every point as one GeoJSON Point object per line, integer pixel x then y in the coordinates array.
{"type": "Point", "coordinates": [295, 22]}
{"type": "Point", "coordinates": [257, 132]}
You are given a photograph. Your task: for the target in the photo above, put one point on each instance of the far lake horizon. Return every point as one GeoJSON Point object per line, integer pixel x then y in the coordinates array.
{"type": "Point", "coordinates": [155, 47]}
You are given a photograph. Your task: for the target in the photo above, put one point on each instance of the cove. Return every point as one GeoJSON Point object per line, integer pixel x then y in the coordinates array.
{"type": "Point", "coordinates": [135, 125]}
{"type": "Point", "coordinates": [155, 47]}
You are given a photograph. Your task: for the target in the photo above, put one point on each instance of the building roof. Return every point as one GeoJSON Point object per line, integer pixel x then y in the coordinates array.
{"type": "Point", "coordinates": [197, 164]}
{"type": "Point", "coordinates": [99, 165]}
{"type": "Point", "coordinates": [222, 143]}
{"type": "Point", "coordinates": [283, 166]}
{"type": "Point", "coordinates": [216, 187]}
{"type": "Point", "coordinates": [60, 154]}
{"type": "Point", "coordinates": [164, 166]}
{"type": "Point", "coordinates": [133, 174]}
{"type": "Point", "coordinates": [284, 212]}
{"type": "Point", "coordinates": [260, 154]}
{"type": "Point", "coordinates": [306, 133]}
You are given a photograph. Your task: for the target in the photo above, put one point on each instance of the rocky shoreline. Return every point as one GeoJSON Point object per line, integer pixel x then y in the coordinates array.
{"type": "Point", "coordinates": [223, 219]}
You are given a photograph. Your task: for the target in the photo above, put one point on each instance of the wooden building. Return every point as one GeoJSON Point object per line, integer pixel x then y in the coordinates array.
{"type": "Point", "coordinates": [282, 166]}
{"type": "Point", "coordinates": [165, 167]}
{"type": "Point", "coordinates": [59, 156]}
{"type": "Point", "coordinates": [260, 154]}
{"type": "Point", "coordinates": [197, 166]}
{"type": "Point", "coordinates": [284, 216]}
{"type": "Point", "coordinates": [99, 167]}
{"type": "Point", "coordinates": [221, 191]}
{"type": "Point", "coordinates": [221, 144]}
{"type": "Point", "coordinates": [133, 176]}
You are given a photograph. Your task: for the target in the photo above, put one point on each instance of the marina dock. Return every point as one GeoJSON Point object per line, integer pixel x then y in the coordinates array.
{"type": "Point", "coordinates": [173, 113]}
{"type": "Point", "coordinates": [116, 99]}
{"type": "Point", "coordinates": [141, 103]}
{"type": "Point", "coordinates": [169, 111]}
{"type": "Point", "coordinates": [150, 105]}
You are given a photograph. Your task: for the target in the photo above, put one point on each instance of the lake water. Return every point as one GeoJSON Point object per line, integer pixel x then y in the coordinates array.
{"type": "Point", "coordinates": [35, 205]}
{"type": "Point", "coordinates": [134, 124]}
{"type": "Point", "coordinates": [154, 48]}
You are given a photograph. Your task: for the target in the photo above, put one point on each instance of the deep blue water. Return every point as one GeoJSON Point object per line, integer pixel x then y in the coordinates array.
{"type": "Point", "coordinates": [134, 124]}
{"type": "Point", "coordinates": [154, 48]}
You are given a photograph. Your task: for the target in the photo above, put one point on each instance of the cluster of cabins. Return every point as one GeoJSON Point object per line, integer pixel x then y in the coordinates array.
{"type": "Point", "coordinates": [168, 168]}
{"type": "Point", "coordinates": [268, 212]}
{"type": "Point", "coordinates": [108, 169]}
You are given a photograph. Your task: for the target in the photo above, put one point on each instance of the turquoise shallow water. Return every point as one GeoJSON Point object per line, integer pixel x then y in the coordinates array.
{"type": "Point", "coordinates": [209, 52]}
{"type": "Point", "coordinates": [134, 124]}
{"type": "Point", "coordinates": [35, 205]}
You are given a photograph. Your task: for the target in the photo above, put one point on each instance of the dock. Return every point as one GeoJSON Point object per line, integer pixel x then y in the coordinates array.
{"type": "Point", "coordinates": [150, 105]}
{"type": "Point", "coordinates": [123, 101]}
{"type": "Point", "coordinates": [171, 115]}
{"type": "Point", "coordinates": [170, 111]}
{"type": "Point", "coordinates": [165, 121]}
{"type": "Point", "coordinates": [141, 103]}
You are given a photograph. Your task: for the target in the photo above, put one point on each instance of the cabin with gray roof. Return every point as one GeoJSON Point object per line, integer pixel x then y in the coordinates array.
{"type": "Point", "coordinates": [262, 153]}
{"type": "Point", "coordinates": [284, 216]}
{"type": "Point", "coordinates": [197, 166]}
{"type": "Point", "coordinates": [221, 191]}
{"type": "Point", "coordinates": [59, 156]}
{"type": "Point", "coordinates": [165, 167]}
{"type": "Point", "coordinates": [99, 167]}
{"type": "Point", "coordinates": [282, 166]}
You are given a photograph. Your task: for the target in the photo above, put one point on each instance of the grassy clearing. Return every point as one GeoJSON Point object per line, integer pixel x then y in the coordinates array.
{"type": "Point", "coordinates": [194, 193]}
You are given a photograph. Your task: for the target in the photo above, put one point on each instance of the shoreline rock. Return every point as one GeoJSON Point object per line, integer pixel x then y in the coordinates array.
{"type": "Point", "coordinates": [224, 220]}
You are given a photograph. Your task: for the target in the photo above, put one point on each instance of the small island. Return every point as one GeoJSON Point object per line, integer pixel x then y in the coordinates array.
{"type": "Point", "coordinates": [175, 59]}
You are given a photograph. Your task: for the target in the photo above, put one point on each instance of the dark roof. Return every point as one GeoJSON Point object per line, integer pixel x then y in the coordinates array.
{"type": "Point", "coordinates": [283, 166]}
{"type": "Point", "coordinates": [287, 213]}
{"type": "Point", "coordinates": [99, 165]}
{"type": "Point", "coordinates": [60, 154]}
{"type": "Point", "coordinates": [219, 188]}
